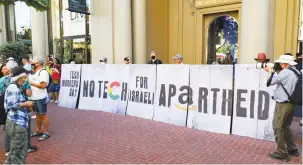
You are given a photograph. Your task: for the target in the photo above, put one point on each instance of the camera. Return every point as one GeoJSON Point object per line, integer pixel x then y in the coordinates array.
{"type": "Point", "coordinates": [261, 65]}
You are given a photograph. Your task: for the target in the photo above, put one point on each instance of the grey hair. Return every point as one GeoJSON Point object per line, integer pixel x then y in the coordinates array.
{"type": "Point", "coordinates": [40, 60]}
{"type": "Point", "coordinates": [11, 64]}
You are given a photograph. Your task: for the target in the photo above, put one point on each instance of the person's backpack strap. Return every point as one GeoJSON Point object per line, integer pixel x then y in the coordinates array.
{"type": "Point", "coordinates": [285, 90]}
{"type": "Point", "coordinates": [299, 75]}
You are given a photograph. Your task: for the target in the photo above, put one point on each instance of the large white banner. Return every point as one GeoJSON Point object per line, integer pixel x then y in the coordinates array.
{"type": "Point", "coordinates": [92, 87]}
{"type": "Point", "coordinates": [172, 93]}
{"type": "Point", "coordinates": [104, 88]}
{"type": "Point", "coordinates": [142, 87]}
{"type": "Point", "coordinates": [70, 85]}
{"type": "Point", "coordinates": [253, 106]}
{"type": "Point", "coordinates": [211, 102]}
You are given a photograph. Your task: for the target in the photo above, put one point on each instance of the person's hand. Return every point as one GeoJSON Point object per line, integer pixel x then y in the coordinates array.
{"type": "Point", "coordinates": [29, 104]}
{"type": "Point", "coordinates": [267, 68]}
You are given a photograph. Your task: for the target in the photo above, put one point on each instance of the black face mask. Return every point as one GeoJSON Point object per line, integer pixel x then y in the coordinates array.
{"type": "Point", "coordinates": [34, 66]}
{"type": "Point", "coordinates": [153, 57]}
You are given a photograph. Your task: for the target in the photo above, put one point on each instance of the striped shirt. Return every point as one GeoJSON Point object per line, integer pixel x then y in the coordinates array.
{"type": "Point", "coordinates": [12, 100]}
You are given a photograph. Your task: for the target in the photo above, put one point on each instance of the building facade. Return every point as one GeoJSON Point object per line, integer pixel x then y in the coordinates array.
{"type": "Point", "coordinates": [198, 29]}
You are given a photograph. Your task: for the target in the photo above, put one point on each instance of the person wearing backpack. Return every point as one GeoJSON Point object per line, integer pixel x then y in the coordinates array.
{"type": "Point", "coordinates": [287, 94]}
{"type": "Point", "coordinates": [39, 83]}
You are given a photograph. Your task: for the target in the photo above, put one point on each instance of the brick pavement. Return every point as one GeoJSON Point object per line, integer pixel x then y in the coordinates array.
{"type": "Point", "coordinates": [95, 137]}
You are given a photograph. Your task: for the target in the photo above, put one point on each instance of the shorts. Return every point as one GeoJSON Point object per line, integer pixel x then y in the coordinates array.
{"type": "Point", "coordinates": [41, 106]}
{"type": "Point", "coordinates": [55, 88]}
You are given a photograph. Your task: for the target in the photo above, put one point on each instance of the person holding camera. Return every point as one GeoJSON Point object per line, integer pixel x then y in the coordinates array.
{"type": "Point", "coordinates": [286, 78]}
{"type": "Point", "coordinates": [17, 117]}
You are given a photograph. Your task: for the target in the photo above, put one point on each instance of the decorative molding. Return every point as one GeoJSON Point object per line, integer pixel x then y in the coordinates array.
{"type": "Point", "coordinates": [214, 3]}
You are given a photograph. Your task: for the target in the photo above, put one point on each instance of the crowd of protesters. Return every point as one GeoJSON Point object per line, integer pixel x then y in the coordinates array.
{"type": "Point", "coordinates": [25, 91]}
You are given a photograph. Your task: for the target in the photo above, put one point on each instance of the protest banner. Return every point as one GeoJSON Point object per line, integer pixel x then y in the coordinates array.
{"type": "Point", "coordinates": [172, 92]}
{"type": "Point", "coordinates": [210, 104]}
{"type": "Point", "coordinates": [69, 85]}
{"type": "Point", "coordinates": [142, 87]}
{"type": "Point", "coordinates": [253, 106]}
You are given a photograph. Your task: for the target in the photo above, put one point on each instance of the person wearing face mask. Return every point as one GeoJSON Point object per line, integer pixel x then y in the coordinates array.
{"type": "Point", "coordinates": [154, 60]}
{"type": "Point", "coordinates": [103, 61]}
{"type": "Point", "coordinates": [178, 59]}
{"type": "Point", "coordinates": [39, 83]}
{"type": "Point", "coordinates": [285, 79]}
{"type": "Point", "coordinates": [299, 61]}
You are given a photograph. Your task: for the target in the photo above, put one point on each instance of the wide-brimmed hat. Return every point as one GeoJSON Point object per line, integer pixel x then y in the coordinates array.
{"type": "Point", "coordinates": [262, 56]}
{"type": "Point", "coordinates": [18, 73]}
{"type": "Point", "coordinates": [286, 59]}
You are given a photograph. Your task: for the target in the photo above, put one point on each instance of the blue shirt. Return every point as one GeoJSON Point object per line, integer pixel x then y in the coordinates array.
{"type": "Point", "coordinates": [289, 81]}
{"type": "Point", "coordinates": [4, 82]}
{"type": "Point", "coordinates": [13, 98]}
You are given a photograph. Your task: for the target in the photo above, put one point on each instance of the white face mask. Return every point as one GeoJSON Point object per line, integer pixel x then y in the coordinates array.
{"type": "Point", "coordinates": [103, 63]}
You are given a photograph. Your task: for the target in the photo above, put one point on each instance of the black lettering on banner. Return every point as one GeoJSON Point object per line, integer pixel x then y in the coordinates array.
{"type": "Point", "coordinates": [171, 93]}
{"type": "Point", "coordinates": [215, 90]}
{"type": "Point", "coordinates": [85, 88]}
{"type": "Point", "coordinates": [162, 98]}
{"type": "Point", "coordinates": [187, 95]}
{"type": "Point", "coordinates": [133, 96]}
{"type": "Point", "coordinates": [240, 111]}
{"type": "Point", "coordinates": [124, 91]}
{"type": "Point", "coordinates": [141, 97]}
{"type": "Point", "coordinates": [142, 82]}
{"type": "Point", "coordinates": [74, 75]}
{"type": "Point", "coordinates": [252, 103]}
{"type": "Point", "coordinates": [91, 88]}
{"type": "Point", "coordinates": [203, 93]}
{"type": "Point", "coordinates": [100, 87]}
{"type": "Point", "coordinates": [263, 113]}
{"type": "Point", "coordinates": [228, 101]}
{"type": "Point", "coordinates": [151, 101]}
{"type": "Point", "coordinates": [137, 96]}
{"type": "Point", "coordinates": [145, 97]}
{"type": "Point", "coordinates": [105, 89]}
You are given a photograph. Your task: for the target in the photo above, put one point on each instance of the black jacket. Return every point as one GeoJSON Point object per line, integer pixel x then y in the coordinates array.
{"type": "Point", "coordinates": [157, 61]}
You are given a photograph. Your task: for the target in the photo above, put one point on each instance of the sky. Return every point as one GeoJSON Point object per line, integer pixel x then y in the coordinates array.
{"type": "Point", "coordinates": [23, 15]}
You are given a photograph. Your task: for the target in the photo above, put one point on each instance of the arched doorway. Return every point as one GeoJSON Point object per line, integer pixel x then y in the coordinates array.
{"type": "Point", "coordinates": [222, 41]}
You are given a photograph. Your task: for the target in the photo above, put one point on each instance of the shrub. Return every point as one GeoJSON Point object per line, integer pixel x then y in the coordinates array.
{"type": "Point", "coordinates": [16, 50]}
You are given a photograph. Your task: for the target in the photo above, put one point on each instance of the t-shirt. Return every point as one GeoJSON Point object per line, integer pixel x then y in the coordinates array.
{"type": "Point", "coordinates": [38, 77]}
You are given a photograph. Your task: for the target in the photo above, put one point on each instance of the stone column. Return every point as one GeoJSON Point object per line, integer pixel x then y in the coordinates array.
{"type": "Point", "coordinates": [39, 33]}
{"type": "Point", "coordinates": [111, 35]}
{"type": "Point", "coordinates": [122, 30]}
{"type": "Point", "coordinates": [140, 53]}
{"type": "Point", "coordinates": [2, 26]}
{"type": "Point", "coordinates": [256, 30]}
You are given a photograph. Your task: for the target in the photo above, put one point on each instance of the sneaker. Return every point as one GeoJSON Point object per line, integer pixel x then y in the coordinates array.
{"type": "Point", "coordinates": [32, 149]}
{"type": "Point", "coordinates": [279, 155]}
{"type": "Point", "coordinates": [6, 154]}
{"type": "Point", "coordinates": [33, 117]}
{"type": "Point", "coordinates": [294, 152]}
{"type": "Point", "coordinates": [56, 102]}
{"type": "Point", "coordinates": [52, 101]}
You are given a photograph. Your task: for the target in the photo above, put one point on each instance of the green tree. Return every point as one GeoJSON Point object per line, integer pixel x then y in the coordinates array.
{"type": "Point", "coordinates": [40, 5]}
{"type": "Point", "coordinates": [13, 49]}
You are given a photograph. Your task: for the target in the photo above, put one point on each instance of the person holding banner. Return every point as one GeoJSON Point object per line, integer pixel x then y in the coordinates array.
{"type": "Point", "coordinates": [154, 60]}
{"type": "Point", "coordinates": [286, 80]}
{"type": "Point", "coordinates": [178, 59]}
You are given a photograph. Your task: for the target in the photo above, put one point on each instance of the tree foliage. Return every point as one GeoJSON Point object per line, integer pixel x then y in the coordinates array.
{"type": "Point", "coordinates": [39, 5]}
{"type": "Point", "coordinates": [16, 50]}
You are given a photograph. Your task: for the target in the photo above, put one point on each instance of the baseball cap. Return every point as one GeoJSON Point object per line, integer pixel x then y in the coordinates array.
{"type": "Point", "coordinates": [178, 56]}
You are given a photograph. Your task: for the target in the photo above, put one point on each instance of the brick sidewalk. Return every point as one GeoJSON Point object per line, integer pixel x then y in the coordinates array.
{"type": "Point", "coordinates": [95, 137]}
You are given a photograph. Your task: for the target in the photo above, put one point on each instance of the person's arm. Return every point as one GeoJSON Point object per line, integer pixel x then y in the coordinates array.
{"type": "Point", "coordinates": [44, 80]}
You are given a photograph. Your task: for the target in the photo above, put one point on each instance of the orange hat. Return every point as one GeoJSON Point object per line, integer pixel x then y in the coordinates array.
{"type": "Point", "coordinates": [262, 56]}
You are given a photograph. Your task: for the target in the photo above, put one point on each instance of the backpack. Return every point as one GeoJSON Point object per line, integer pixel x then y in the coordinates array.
{"type": "Point", "coordinates": [296, 96]}
{"type": "Point", "coordinates": [50, 81]}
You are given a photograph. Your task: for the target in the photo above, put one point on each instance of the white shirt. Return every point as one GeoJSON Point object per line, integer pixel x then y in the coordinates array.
{"type": "Point", "coordinates": [39, 77]}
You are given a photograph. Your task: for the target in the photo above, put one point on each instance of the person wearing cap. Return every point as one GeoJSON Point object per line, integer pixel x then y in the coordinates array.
{"type": "Point", "coordinates": [284, 108]}
{"type": "Point", "coordinates": [178, 59]}
{"type": "Point", "coordinates": [39, 82]}
{"type": "Point", "coordinates": [153, 59]}
{"type": "Point", "coordinates": [17, 117]}
{"type": "Point", "coordinates": [127, 60]}
{"type": "Point", "coordinates": [262, 58]}
{"type": "Point", "coordinates": [103, 61]}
